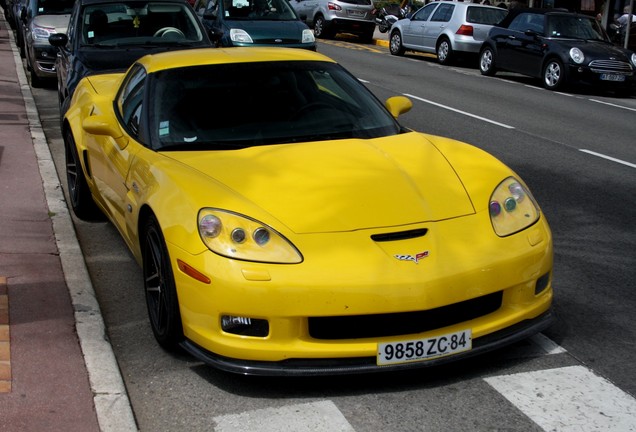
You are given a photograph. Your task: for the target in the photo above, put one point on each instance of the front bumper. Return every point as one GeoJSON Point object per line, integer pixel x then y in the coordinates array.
{"type": "Point", "coordinates": [360, 365]}
{"type": "Point", "coordinates": [598, 75]}
{"type": "Point", "coordinates": [43, 61]}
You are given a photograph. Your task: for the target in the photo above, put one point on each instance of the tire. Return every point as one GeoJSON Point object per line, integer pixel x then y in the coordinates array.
{"type": "Point", "coordinates": [159, 287]}
{"type": "Point", "coordinates": [383, 27]}
{"type": "Point", "coordinates": [321, 28]}
{"type": "Point", "coordinates": [445, 54]}
{"type": "Point", "coordinates": [395, 44]}
{"type": "Point", "coordinates": [36, 81]}
{"type": "Point", "coordinates": [79, 194]}
{"type": "Point", "coordinates": [487, 62]}
{"type": "Point", "coordinates": [554, 74]}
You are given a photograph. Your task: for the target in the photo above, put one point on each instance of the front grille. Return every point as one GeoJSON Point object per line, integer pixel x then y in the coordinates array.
{"type": "Point", "coordinates": [404, 323]}
{"type": "Point", "coordinates": [601, 66]}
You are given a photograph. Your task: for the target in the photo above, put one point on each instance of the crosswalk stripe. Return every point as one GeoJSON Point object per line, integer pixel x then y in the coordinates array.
{"type": "Point", "coordinates": [322, 416]}
{"type": "Point", "coordinates": [569, 399]}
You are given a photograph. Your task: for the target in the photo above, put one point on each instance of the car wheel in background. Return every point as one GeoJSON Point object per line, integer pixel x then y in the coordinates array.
{"type": "Point", "coordinates": [554, 74]}
{"type": "Point", "coordinates": [80, 195]}
{"type": "Point", "coordinates": [487, 62]}
{"type": "Point", "coordinates": [159, 287]}
{"type": "Point", "coordinates": [395, 44]}
{"type": "Point", "coordinates": [444, 51]}
{"type": "Point", "coordinates": [321, 28]}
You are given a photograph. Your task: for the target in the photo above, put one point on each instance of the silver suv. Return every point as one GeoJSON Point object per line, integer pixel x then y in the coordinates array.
{"type": "Point", "coordinates": [329, 17]}
{"type": "Point", "coordinates": [445, 28]}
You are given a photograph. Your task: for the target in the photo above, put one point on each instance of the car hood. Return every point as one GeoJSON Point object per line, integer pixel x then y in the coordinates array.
{"type": "Point", "coordinates": [59, 22]}
{"type": "Point", "coordinates": [341, 185]}
{"type": "Point", "coordinates": [270, 30]}
{"type": "Point", "coordinates": [596, 49]}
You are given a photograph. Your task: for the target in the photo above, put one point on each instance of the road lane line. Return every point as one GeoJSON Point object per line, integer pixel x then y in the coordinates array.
{"type": "Point", "coordinates": [321, 416]}
{"type": "Point", "coordinates": [459, 111]}
{"type": "Point", "coordinates": [569, 399]}
{"type": "Point", "coordinates": [601, 155]}
{"type": "Point", "coordinates": [612, 104]}
{"type": "Point", "coordinates": [547, 344]}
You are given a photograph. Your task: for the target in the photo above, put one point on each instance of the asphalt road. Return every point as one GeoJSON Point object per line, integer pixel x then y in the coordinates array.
{"type": "Point", "coordinates": [575, 151]}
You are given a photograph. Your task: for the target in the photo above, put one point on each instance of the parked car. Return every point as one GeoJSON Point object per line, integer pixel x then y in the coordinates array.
{"type": "Point", "coordinates": [13, 18]}
{"type": "Point", "coordinates": [286, 223]}
{"type": "Point", "coordinates": [108, 35]}
{"type": "Point", "coordinates": [329, 17]}
{"type": "Point", "coordinates": [559, 48]}
{"type": "Point", "coordinates": [254, 23]}
{"type": "Point", "coordinates": [40, 19]}
{"type": "Point", "coordinates": [446, 28]}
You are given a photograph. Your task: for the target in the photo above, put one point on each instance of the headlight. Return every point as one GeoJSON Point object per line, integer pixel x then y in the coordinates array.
{"type": "Point", "coordinates": [235, 236]}
{"type": "Point", "coordinates": [577, 55]}
{"type": "Point", "coordinates": [512, 208]}
{"type": "Point", "coordinates": [634, 59]}
{"type": "Point", "coordinates": [308, 36]}
{"type": "Point", "coordinates": [240, 35]}
{"type": "Point", "coordinates": [42, 33]}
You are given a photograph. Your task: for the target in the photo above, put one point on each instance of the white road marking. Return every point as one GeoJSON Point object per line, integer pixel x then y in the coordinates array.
{"type": "Point", "coordinates": [612, 104]}
{"type": "Point", "coordinates": [570, 399]}
{"type": "Point", "coordinates": [546, 344]}
{"type": "Point", "coordinates": [321, 416]}
{"type": "Point", "coordinates": [459, 111]}
{"type": "Point", "coordinates": [601, 155]}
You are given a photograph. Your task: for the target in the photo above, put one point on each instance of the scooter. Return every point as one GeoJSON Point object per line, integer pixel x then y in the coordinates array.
{"type": "Point", "coordinates": [389, 15]}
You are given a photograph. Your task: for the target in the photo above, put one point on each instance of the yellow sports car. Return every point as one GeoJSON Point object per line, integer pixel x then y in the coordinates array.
{"type": "Point", "coordinates": [287, 224]}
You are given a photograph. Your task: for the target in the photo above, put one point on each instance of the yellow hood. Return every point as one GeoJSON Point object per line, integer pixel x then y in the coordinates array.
{"type": "Point", "coordinates": [344, 185]}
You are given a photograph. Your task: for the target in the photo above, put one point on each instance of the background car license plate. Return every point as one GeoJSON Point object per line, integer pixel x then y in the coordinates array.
{"type": "Point", "coordinates": [612, 77]}
{"type": "Point", "coordinates": [424, 349]}
{"type": "Point", "coordinates": [355, 13]}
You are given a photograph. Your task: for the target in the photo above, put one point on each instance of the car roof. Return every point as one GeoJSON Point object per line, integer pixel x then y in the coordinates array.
{"type": "Point", "coordinates": [208, 56]}
{"type": "Point", "coordinates": [517, 11]}
{"type": "Point", "coordinates": [93, 2]}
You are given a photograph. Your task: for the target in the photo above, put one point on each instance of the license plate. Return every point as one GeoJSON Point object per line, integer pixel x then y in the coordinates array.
{"type": "Point", "coordinates": [355, 13]}
{"type": "Point", "coordinates": [612, 77]}
{"type": "Point", "coordinates": [424, 349]}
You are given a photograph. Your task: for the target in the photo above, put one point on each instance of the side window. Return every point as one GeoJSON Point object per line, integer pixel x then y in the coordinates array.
{"type": "Point", "coordinates": [527, 21]}
{"type": "Point", "coordinates": [130, 99]}
{"type": "Point", "coordinates": [424, 13]}
{"type": "Point", "coordinates": [443, 13]}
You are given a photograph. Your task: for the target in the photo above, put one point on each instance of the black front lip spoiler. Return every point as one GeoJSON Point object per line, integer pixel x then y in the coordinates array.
{"type": "Point", "coordinates": [361, 365]}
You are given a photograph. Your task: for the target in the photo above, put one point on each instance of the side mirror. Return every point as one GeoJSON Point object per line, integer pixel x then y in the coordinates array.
{"type": "Point", "coordinates": [58, 39]}
{"type": "Point", "coordinates": [398, 105]}
{"type": "Point", "coordinates": [99, 125]}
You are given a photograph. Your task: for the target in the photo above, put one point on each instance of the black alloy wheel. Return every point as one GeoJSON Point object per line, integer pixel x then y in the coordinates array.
{"type": "Point", "coordinates": [160, 289]}
{"type": "Point", "coordinates": [79, 193]}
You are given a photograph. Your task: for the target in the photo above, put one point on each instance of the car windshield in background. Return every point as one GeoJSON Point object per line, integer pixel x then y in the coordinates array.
{"type": "Point", "coordinates": [138, 23]}
{"type": "Point", "coordinates": [488, 16]}
{"type": "Point", "coordinates": [233, 106]}
{"type": "Point", "coordinates": [267, 10]}
{"type": "Point", "coordinates": [54, 7]}
{"type": "Point", "coordinates": [570, 27]}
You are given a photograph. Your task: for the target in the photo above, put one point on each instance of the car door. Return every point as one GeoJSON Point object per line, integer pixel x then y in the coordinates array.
{"type": "Point", "coordinates": [413, 29]}
{"type": "Point", "coordinates": [110, 157]}
{"type": "Point", "coordinates": [523, 50]}
{"type": "Point", "coordinates": [64, 57]}
{"type": "Point", "coordinates": [436, 25]}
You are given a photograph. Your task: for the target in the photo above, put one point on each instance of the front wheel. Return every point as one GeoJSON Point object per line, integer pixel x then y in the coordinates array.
{"type": "Point", "coordinates": [160, 289]}
{"type": "Point", "coordinates": [395, 44]}
{"type": "Point", "coordinates": [554, 75]}
{"type": "Point", "coordinates": [487, 62]}
{"type": "Point", "coordinates": [445, 53]}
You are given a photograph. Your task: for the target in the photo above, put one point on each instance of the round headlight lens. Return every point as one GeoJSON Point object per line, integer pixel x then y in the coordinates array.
{"type": "Point", "coordinates": [210, 226]}
{"type": "Point", "coordinates": [577, 55]}
{"type": "Point", "coordinates": [634, 59]}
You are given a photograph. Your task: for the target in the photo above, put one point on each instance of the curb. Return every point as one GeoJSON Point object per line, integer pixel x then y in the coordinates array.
{"type": "Point", "coordinates": [112, 406]}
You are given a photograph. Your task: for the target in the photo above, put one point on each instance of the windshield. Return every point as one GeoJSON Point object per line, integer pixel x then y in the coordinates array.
{"type": "Point", "coordinates": [266, 10]}
{"type": "Point", "coordinates": [131, 23]}
{"type": "Point", "coordinates": [574, 27]}
{"type": "Point", "coordinates": [234, 105]}
{"type": "Point", "coordinates": [53, 7]}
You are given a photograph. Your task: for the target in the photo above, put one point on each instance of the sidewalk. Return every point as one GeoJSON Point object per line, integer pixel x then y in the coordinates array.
{"type": "Point", "coordinates": [57, 369]}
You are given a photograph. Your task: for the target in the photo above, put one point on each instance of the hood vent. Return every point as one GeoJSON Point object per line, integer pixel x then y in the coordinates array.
{"type": "Point", "coordinates": [401, 235]}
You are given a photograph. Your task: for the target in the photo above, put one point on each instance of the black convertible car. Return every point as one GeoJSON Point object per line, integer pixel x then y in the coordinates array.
{"type": "Point", "coordinates": [558, 47]}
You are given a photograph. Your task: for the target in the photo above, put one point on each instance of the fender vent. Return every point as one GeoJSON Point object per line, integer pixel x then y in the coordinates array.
{"type": "Point", "coordinates": [402, 235]}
